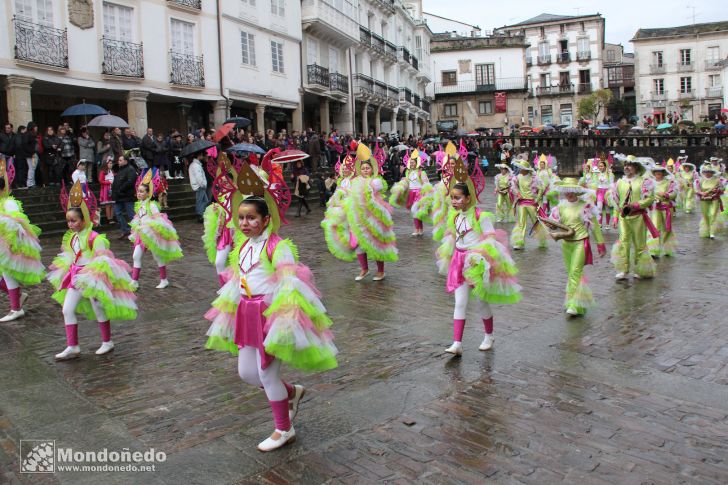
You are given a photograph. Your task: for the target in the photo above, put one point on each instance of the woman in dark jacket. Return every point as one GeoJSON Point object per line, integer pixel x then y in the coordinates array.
{"type": "Point", "coordinates": [160, 149]}
{"type": "Point", "coordinates": [300, 179]}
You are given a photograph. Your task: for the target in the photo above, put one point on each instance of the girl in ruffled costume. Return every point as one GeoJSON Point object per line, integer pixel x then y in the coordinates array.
{"type": "Point", "coordinates": [20, 263]}
{"type": "Point", "coordinates": [89, 279]}
{"type": "Point", "coordinates": [528, 192]}
{"type": "Point", "coordinates": [368, 220]}
{"type": "Point", "coordinates": [152, 230]}
{"type": "Point", "coordinates": [686, 177]}
{"type": "Point", "coordinates": [600, 180]}
{"type": "Point", "coordinates": [580, 216]}
{"type": "Point", "coordinates": [269, 311]}
{"type": "Point", "coordinates": [709, 188]}
{"type": "Point", "coordinates": [545, 174]}
{"type": "Point", "coordinates": [475, 261]}
{"type": "Point", "coordinates": [218, 231]}
{"type": "Point", "coordinates": [409, 191]}
{"type": "Point", "coordinates": [662, 211]}
{"type": "Point", "coordinates": [437, 202]}
{"type": "Point", "coordinates": [504, 197]}
{"type": "Point", "coordinates": [335, 225]}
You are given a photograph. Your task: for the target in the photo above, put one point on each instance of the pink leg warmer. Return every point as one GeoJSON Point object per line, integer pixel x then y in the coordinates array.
{"type": "Point", "coordinates": [280, 414]}
{"type": "Point", "coordinates": [14, 299]}
{"type": "Point", "coordinates": [363, 261]}
{"type": "Point", "coordinates": [458, 327]}
{"type": "Point", "coordinates": [221, 279]}
{"type": "Point", "coordinates": [105, 328]}
{"type": "Point", "coordinates": [380, 266]}
{"type": "Point", "coordinates": [3, 285]}
{"type": "Point", "coordinates": [162, 272]}
{"type": "Point", "coordinates": [135, 273]}
{"type": "Point", "coordinates": [290, 390]}
{"type": "Point", "coordinates": [71, 335]}
{"type": "Point", "coordinates": [488, 324]}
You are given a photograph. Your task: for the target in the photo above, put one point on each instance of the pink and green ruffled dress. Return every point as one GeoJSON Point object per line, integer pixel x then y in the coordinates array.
{"type": "Point", "coordinates": [151, 229]}
{"type": "Point", "coordinates": [19, 245]}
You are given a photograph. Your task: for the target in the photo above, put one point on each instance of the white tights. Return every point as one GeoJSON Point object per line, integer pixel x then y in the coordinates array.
{"type": "Point", "coordinates": [137, 257]}
{"type": "Point", "coordinates": [73, 297]}
{"type": "Point", "coordinates": [10, 282]}
{"type": "Point", "coordinates": [462, 294]}
{"type": "Point", "coordinates": [251, 372]}
{"type": "Point", "coordinates": [221, 259]}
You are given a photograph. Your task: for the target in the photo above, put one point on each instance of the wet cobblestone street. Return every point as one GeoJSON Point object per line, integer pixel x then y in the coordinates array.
{"type": "Point", "coordinates": [635, 392]}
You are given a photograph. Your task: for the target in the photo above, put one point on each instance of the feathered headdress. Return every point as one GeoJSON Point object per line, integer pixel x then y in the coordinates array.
{"type": "Point", "coordinates": [151, 177]}
{"type": "Point", "coordinates": [7, 172]}
{"type": "Point", "coordinates": [460, 175]}
{"type": "Point", "coordinates": [223, 185]}
{"type": "Point", "coordinates": [414, 156]}
{"type": "Point", "coordinates": [364, 154]}
{"type": "Point", "coordinates": [78, 199]}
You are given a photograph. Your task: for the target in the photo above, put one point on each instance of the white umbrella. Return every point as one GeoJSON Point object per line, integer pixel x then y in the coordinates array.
{"type": "Point", "coordinates": [108, 121]}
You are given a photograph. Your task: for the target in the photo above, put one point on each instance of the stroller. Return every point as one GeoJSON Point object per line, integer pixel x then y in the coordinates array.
{"type": "Point", "coordinates": [135, 159]}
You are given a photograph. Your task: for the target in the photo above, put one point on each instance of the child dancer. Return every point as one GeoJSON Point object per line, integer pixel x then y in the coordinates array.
{"type": "Point", "coordinates": [504, 197]}
{"type": "Point", "coordinates": [580, 218]}
{"type": "Point", "coordinates": [269, 311]}
{"type": "Point", "coordinates": [545, 176]}
{"type": "Point", "coordinates": [662, 212]}
{"type": "Point", "coordinates": [411, 189]}
{"type": "Point", "coordinates": [686, 176]}
{"type": "Point", "coordinates": [475, 261]}
{"type": "Point", "coordinates": [335, 225]}
{"type": "Point", "coordinates": [709, 188]}
{"type": "Point", "coordinates": [528, 192]}
{"type": "Point", "coordinates": [152, 230]}
{"type": "Point", "coordinates": [600, 180]}
{"type": "Point", "coordinates": [88, 279]}
{"type": "Point", "coordinates": [20, 263]}
{"type": "Point", "coordinates": [218, 231]}
{"type": "Point", "coordinates": [106, 179]}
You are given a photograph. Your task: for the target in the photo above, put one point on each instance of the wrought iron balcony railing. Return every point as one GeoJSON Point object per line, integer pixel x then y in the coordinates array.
{"type": "Point", "coordinates": [425, 105]}
{"type": "Point", "coordinates": [686, 94]}
{"type": "Point", "coordinates": [583, 55]}
{"type": "Point", "coordinates": [416, 100]}
{"type": "Point", "coordinates": [712, 64]}
{"type": "Point", "coordinates": [186, 70]}
{"type": "Point", "coordinates": [684, 66]}
{"type": "Point", "coordinates": [415, 63]}
{"type": "Point", "coordinates": [318, 75]}
{"type": "Point", "coordinates": [378, 43]}
{"type": "Point", "coordinates": [405, 95]}
{"type": "Point", "coordinates": [529, 60]}
{"type": "Point", "coordinates": [364, 84]}
{"type": "Point", "coordinates": [584, 88]}
{"type": "Point", "coordinates": [195, 4]}
{"type": "Point", "coordinates": [122, 58]}
{"type": "Point", "coordinates": [658, 96]}
{"type": "Point", "coordinates": [714, 92]}
{"type": "Point", "coordinates": [403, 54]}
{"type": "Point", "coordinates": [543, 60]}
{"type": "Point", "coordinates": [657, 68]}
{"type": "Point", "coordinates": [339, 82]}
{"type": "Point", "coordinates": [365, 37]}
{"type": "Point", "coordinates": [380, 89]}
{"type": "Point", "coordinates": [392, 93]}
{"type": "Point", "coordinates": [390, 50]}
{"type": "Point", "coordinates": [555, 90]}
{"type": "Point", "coordinates": [40, 44]}
{"type": "Point", "coordinates": [563, 57]}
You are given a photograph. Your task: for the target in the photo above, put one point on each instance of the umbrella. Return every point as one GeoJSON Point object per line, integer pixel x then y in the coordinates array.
{"type": "Point", "coordinates": [431, 140]}
{"type": "Point", "coordinates": [507, 146]}
{"type": "Point", "coordinates": [636, 128]}
{"type": "Point", "coordinates": [238, 121]}
{"type": "Point", "coordinates": [686, 123]}
{"type": "Point", "coordinates": [246, 147]}
{"type": "Point", "coordinates": [586, 122]}
{"type": "Point", "coordinates": [724, 110]}
{"type": "Point", "coordinates": [84, 109]}
{"type": "Point", "coordinates": [603, 127]}
{"type": "Point", "coordinates": [196, 146]}
{"type": "Point", "coordinates": [289, 156]}
{"type": "Point", "coordinates": [549, 128]}
{"type": "Point", "coordinates": [561, 127]}
{"type": "Point", "coordinates": [223, 131]}
{"type": "Point", "coordinates": [108, 121]}
{"type": "Point", "coordinates": [401, 147]}
{"type": "Point", "coordinates": [572, 131]}
{"type": "Point", "coordinates": [719, 126]}
{"type": "Point", "coordinates": [664, 126]}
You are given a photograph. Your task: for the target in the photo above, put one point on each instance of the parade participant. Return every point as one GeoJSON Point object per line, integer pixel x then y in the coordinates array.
{"type": "Point", "coordinates": [686, 177]}
{"type": "Point", "coordinates": [632, 195]}
{"type": "Point", "coordinates": [411, 189]}
{"type": "Point", "coordinates": [474, 259]}
{"type": "Point", "coordinates": [600, 180]}
{"type": "Point", "coordinates": [106, 179]}
{"type": "Point", "coordinates": [368, 220]}
{"type": "Point", "coordinates": [218, 232]}
{"type": "Point", "coordinates": [269, 312]}
{"type": "Point", "coordinates": [437, 202]}
{"type": "Point", "coordinates": [709, 188]}
{"type": "Point", "coordinates": [504, 196]}
{"type": "Point", "coordinates": [527, 191]}
{"type": "Point", "coordinates": [88, 279]}
{"type": "Point", "coordinates": [20, 263]}
{"type": "Point", "coordinates": [545, 176]}
{"type": "Point", "coordinates": [335, 225]}
{"type": "Point", "coordinates": [152, 230]}
{"type": "Point", "coordinates": [662, 212]}
{"type": "Point", "coordinates": [575, 218]}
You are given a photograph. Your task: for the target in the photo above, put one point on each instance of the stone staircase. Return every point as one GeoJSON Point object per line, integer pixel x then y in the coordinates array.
{"type": "Point", "coordinates": [43, 207]}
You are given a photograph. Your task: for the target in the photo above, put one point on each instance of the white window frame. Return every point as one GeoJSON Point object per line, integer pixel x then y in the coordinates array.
{"type": "Point", "coordinates": [334, 60]}
{"type": "Point", "coordinates": [659, 85]}
{"type": "Point", "coordinates": [113, 22]}
{"type": "Point", "coordinates": [583, 45]}
{"type": "Point", "coordinates": [686, 84]}
{"type": "Point", "coordinates": [484, 74]}
{"type": "Point", "coordinates": [658, 58]}
{"type": "Point", "coordinates": [312, 51]}
{"type": "Point", "coordinates": [712, 78]}
{"type": "Point", "coordinates": [712, 53]}
{"type": "Point", "coordinates": [450, 109]}
{"type": "Point", "coordinates": [276, 53]}
{"type": "Point", "coordinates": [485, 107]}
{"type": "Point", "coordinates": [278, 7]}
{"type": "Point", "coordinates": [35, 11]}
{"type": "Point", "coordinates": [247, 48]}
{"type": "Point", "coordinates": [685, 54]}
{"type": "Point", "coordinates": [185, 46]}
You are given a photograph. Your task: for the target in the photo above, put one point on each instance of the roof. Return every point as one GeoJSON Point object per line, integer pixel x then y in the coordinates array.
{"type": "Point", "coordinates": [549, 17]}
{"type": "Point", "coordinates": [682, 30]}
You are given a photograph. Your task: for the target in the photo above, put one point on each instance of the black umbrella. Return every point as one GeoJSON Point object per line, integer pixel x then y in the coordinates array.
{"type": "Point", "coordinates": [240, 122]}
{"type": "Point", "coordinates": [196, 146]}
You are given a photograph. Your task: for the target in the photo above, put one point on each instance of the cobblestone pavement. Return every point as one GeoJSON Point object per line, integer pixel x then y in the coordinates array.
{"type": "Point", "coordinates": [635, 392]}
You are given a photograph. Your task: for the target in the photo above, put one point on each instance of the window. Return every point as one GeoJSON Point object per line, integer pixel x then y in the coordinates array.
{"type": "Point", "coordinates": [183, 41]}
{"type": "Point", "coordinates": [546, 115]}
{"type": "Point", "coordinates": [38, 11]}
{"type": "Point", "coordinates": [117, 22]}
{"type": "Point", "coordinates": [451, 110]}
{"type": "Point", "coordinates": [545, 80]}
{"type": "Point", "coordinates": [449, 78]}
{"type": "Point", "coordinates": [542, 31]}
{"type": "Point", "coordinates": [686, 85]}
{"type": "Point", "coordinates": [333, 60]}
{"type": "Point", "coordinates": [530, 115]}
{"type": "Point", "coordinates": [659, 85]}
{"type": "Point", "coordinates": [611, 57]}
{"type": "Point", "coordinates": [278, 7]}
{"type": "Point", "coordinates": [543, 49]}
{"type": "Point", "coordinates": [484, 74]}
{"type": "Point", "coordinates": [564, 78]}
{"type": "Point", "coordinates": [485, 107]}
{"type": "Point", "coordinates": [714, 80]}
{"type": "Point", "coordinates": [582, 47]}
{"type": "Point", "coordinates": [657, 58]}
{"type": "Point", "coordinates": [276, 52]}
{"type": "Point", "coordinates": [566, 114]}
{"type": "Point", "coordinates": [312, 51]}
{"type": "Point", "coordinates": [685, 57]}
{"type": "Point", "coordinates": [418, 46]}
{"type": "Point", "coordinates": [713, 54]}
{"type": "Point", "coordinates": [247, 3]}
{"type": "Point", "coordinates": [247, 42]}
{"type": "Point", "coordinates": [584, 76]}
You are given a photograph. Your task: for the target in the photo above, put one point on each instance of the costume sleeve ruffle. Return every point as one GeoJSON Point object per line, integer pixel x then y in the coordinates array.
{"type": "Point", "coordinates": [20, 248]}
{"type": "Point", "coordinates": [399, 192]}
{"type": "Point", "coordinates": [160, 237]}
{"type": "Point", "coordinates": [370, 220]}
{"type": "Point", "coordinates": [297, 326]}
{"type": "Point", "coordinates": [336, 233]}
{"type": "Point", "coordinates": [214, 220]}
{"type": "Point", "coordinates": [221, 334]}
{"type": "Point", "coordinates": [444, 252]}
{"type": "Point", "coordinates": [61, 263]}
{"type": "Point", "coordinates": [421, 208]}
{"type": "Point", "coordinates": [440, 208]}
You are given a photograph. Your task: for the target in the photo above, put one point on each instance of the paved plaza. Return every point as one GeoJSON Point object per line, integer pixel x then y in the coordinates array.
{"type": "Point", "coordinates": [636, 392]}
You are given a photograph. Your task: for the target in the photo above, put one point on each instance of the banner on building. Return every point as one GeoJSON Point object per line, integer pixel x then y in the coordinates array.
{"type": "Point", "coordinates": [500, 102]}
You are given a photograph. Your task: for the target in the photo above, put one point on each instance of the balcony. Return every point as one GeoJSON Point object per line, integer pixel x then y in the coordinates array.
{"type": "Point", "coordinates": [425, 105]}
{"type": "Point", "coordinates": [544, 60]}
{"type": "Point", "coordinates": [561, 89]}
{"type": "Point", "coordinates": [405, 95]}
{"type": "Point", "coordinates": [318, 77]}
{"type": "Point", "coordinates": [392, 94]}
{"type": "Point", "coordinates": [339, 83]}
{"type": "Point", "coordinates": [187, 70]}
{"type": "Point", "coordinates": [498, 84]}
{"type": "Point", "coordinates": [714, 92]}
{"type": "Point", "coordinates": [563, 58]}
{"type": "Point", "coordinates": [687, 94]}
{"type": "Point", "coordinates": [657, 69]}
{"type": "Point", "coordinates": [378, 44]}
{"type": "Point", "coordinates": [583, 56]}
{"type": "Point", "coordinates": [390, 51]}
{"type": "Point", "coordinates": [364, 85]}
{"type": "Point", "coordinates": [658, 96]}
{"type": "Point", "coordinates": [403, 55]}
{"type": "Point", "coordinates": [123, 59]}
{"type": "Point", "coordinates": [529, 61]}
{"type": "Point", "coordinates": [324, 19]}
{"type": "Point", "coordinates": [584, 88]}
{"type": "Point", "coordinates": [415, 63]}
{"type": "Point", "coordinates": [40, 44]}
{"type": "Point", "coordinates": [380, 90]}
{"type": "Point", "coordinates": [684, 66]}
{"type": "Point", "coordinates": [187, 4]}
{"type": "Point", "coordinates": [416, 100]}
{"type": "Point", "coordinates": [365, 37]}
{"type": "Point", "coordinates": [713, 64]}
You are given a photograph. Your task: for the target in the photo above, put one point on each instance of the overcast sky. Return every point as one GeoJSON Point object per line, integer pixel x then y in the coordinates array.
{"type": "Point", "coordinates": [623, 17]}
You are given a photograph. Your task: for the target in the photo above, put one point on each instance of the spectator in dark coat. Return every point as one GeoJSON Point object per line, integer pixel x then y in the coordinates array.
{"type": "Point", "coordinates": [117, 147]}
{"type": "Point", "coordinates": [52, 156]}
{"type": "Point", "coordinates": [122, 191]}
{"type": "Point", "coordinates": [7, 141]}
{"type": "Point", "coordinates": [148, 148]}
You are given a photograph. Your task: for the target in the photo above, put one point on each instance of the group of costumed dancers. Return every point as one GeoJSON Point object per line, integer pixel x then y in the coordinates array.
{"type": "Point", "coordinates": [268, 311]}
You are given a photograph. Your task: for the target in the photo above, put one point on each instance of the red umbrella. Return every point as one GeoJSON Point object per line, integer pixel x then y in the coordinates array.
{"type": "Point", "coordinates": [223, 131]}
{"type": "Point", "coordinates": [724, 110]}
{"type": "Point", "coordinates": [289, 156]}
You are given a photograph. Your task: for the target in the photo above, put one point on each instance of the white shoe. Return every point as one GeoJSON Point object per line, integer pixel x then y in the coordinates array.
{"type": "Point", "coordinates": [499, 220]}
{"type": "Point", "coordinates": [415, 234]}
{"type": "Point", "coordinates": [297, 396]}
{"type": "Point", "coordinates": [620, 276]}
{"type": "Point", "coordinates": [23, 297]}
{"type": "Point", "coordinates": [13, 315]}
{"type": "Point", "coordinates": [517, 247]}
{"type": "Point", "coordinates": [162, 284]}
{"type": "Point", "coordinates": [636, 276]}
{"type": "Point", "coordinates": [269, 444]}
{"type": "Point", "coordinates": [167, 175]}
{"type": "Point", "coordinates": [135, 285]}
{"type": "Point", "coordinates": [105, 348]}
{"type": "Point", "coordinates": [379, 278]}
{"type": "Point", "coordinates": [71, 352]}
{"type": "Point", "coordinates": [487, 343]}
{"type": "Point", "coordinates": [361, 277]}
{"type": "Point", "coordinates": [456, 348]}
{"type": "Point", "coordinates": [712, 236]}
{"type": "Point", "coordinates": [571, 312]}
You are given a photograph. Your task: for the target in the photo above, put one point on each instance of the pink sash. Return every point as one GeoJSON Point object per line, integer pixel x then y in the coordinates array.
{"type": "Point", "coordinates": [600, 195]}
{"type": "Point", "coordinates": [249, 324]}
{"type": "Point", "coordinates": [412, 197]}
{"type": "Point", "coordinates": [455, 276]}
{"type": "Point", "coordinates": [225, 239]}
{"type": "Point", "coordinates": [648, 222]}
{"type": "Point", "coordinates": [588, 256]}
{"type": "Point", "coordinates": [667, 208]}
{"type": "Point", "coordinates": [67, 281]}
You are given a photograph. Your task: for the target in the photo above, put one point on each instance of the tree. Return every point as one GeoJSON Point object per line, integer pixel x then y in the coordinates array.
{"type": "Point", "coordinates": [591, 106]}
